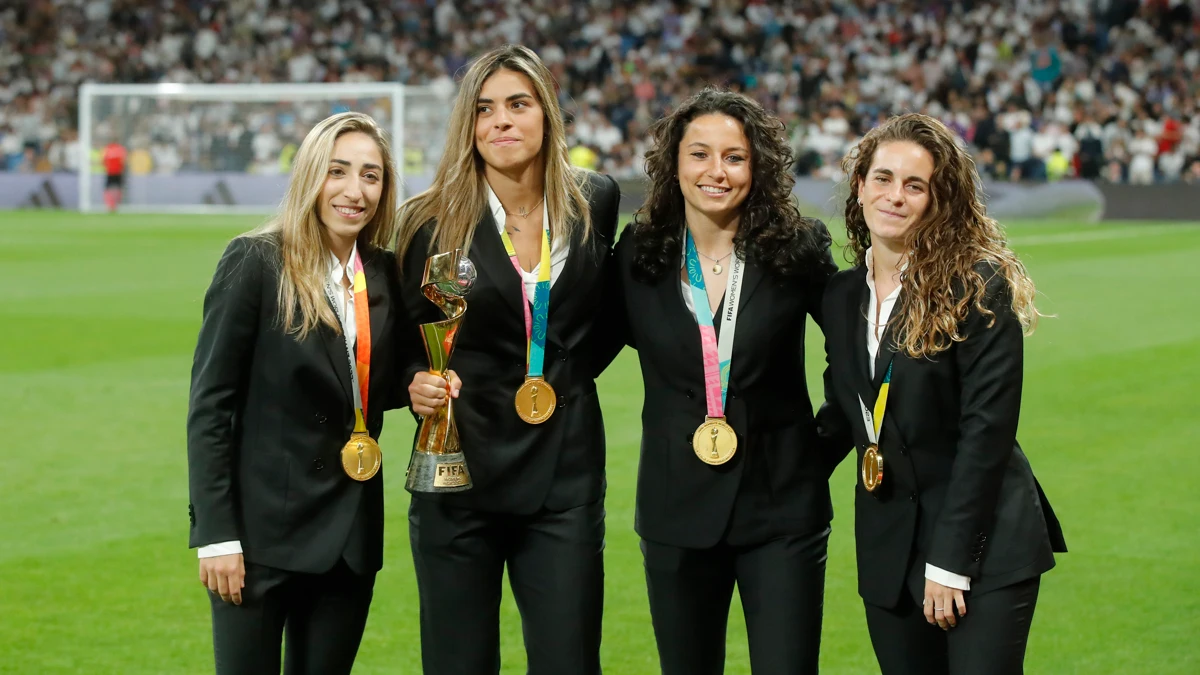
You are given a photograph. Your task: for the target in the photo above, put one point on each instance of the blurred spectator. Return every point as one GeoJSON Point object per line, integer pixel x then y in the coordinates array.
{"type": "Point", "coordinates": [1021, 82]}
{"type": "Point", "coordinates": [140, 161]}
{"type": "Point", "coordinates": [584, 157]}
{"type": "Point", "coordinates": [1192, 174]}
{"type": "Point", "coordinates": [1143, 149]}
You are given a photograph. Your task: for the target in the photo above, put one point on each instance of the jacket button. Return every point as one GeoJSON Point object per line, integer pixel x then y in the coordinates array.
{"type": "Point", "coordinates": [562, 356]}
{"type": "Point", "coordinates": [321, 419]}
{"type": "Point", "coordinates": [912, 496]}
{"type": "Point", "coordinates": [562, 401]}
{"type": "Point", "coordinates": [904, 450]}
{"type": "Point", "coordinates": [318, 464]}
{"type": "Point", "coordinates": [691, 394]}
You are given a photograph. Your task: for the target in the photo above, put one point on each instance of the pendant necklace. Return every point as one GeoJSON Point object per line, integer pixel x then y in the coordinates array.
{"type": "Point", "coordinates": [525, 212]}
{"type": "Point", "coordinates": [716, 268]}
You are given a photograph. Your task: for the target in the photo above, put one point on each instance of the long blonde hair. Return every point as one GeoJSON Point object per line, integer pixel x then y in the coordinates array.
{"type": "Point", "coordinates": [297, 227]}
{"type": "Point", "coordinates": [457, 199]}
{"type": "Point", "coordinates": [941, 281]}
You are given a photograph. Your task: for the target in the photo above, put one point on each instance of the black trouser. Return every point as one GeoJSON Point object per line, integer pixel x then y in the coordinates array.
{"type": "Point", "coordinates": [556, 569]}
{"type": "Point", "coordinates": [989, 640]}
{"type": "Point", "coordinates": [322, 615]}
{"type": "Point", "coordinates": [782, 586]}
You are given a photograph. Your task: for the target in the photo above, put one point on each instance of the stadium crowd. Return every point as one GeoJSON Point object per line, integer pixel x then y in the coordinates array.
{"type": "Point", "coordinates": [1102, 89]}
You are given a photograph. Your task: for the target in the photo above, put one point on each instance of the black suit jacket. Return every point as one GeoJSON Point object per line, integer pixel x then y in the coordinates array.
{"type": "Point", "coordinates": [957, 492]}
{"type": "Point", "coordinates": [268, 416]}
{"type": "Point", "coordinates": [519, 467]}
{"type": "Point", "coordinates": [778, 481]}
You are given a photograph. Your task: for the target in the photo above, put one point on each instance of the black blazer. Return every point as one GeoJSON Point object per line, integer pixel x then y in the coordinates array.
{"type": "Point", "coordinates": [268, 416]}
{"type": "Point", "coordinates": [778, 481]}
{"type": "Point", "coordinates": [518, 467]}
{"type": "Point", "coordinates": [957, 492]}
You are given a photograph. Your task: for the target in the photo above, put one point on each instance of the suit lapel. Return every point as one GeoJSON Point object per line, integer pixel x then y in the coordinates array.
{"type": "Point", "coordinates": [378, 301]}
{"type": "Point", "coordinates": [489, 256]}
{"type": "Point", "coordinates": [572, 268]}
{"type": "Point", "coordinates": [857, 317]}
{"type": "Point", "coordinates": [752, 277]}
{"type": "Point", "coordinates": [339, 356]}
{"type": "Point", "coordinates": [675, 313]}
{"type": "Point", "coordinates": [883, 357]}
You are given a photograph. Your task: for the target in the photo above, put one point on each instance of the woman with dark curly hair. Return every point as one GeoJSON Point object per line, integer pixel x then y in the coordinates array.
{"type": "Point", "coordinates": [733, 485]}
{"type": "Point", "coordinates": [925, 359]}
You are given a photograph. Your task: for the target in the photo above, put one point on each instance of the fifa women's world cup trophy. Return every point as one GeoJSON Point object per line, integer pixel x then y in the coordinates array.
{"type": "Point", "coordinates": [437, 463]}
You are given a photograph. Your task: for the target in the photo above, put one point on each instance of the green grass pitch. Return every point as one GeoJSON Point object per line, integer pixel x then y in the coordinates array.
{"type": "Point", "coordinates": [99, 317]}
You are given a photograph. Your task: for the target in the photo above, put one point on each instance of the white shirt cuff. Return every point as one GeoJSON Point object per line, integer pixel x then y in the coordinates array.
{"type": "Point", "coordinates": [941, 576]}
{"type": "Point", "coordinates": [223, 548]}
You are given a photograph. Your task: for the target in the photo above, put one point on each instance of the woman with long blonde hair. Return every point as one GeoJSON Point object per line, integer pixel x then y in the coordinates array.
{"type": "Point", "coordinates": [539, 232]}
{"type": "Point", "coordinates": [295, 363]}
{"type": "Point", "coordinates": [924, 338]}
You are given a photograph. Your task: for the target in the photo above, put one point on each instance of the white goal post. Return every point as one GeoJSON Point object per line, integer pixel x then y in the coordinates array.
{"type": "Point", "coordinates": [227, 148]}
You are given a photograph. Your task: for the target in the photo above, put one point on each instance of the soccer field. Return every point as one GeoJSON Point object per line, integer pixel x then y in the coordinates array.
{"type": "Point", "coordinates": [100, 314]}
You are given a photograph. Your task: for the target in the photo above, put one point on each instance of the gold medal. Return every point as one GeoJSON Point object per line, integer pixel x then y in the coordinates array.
{"type": "Point", "coordinates": [872, 468]}
{"type": "Point", "coordinates": [361, 456]}
{"type": "Point", "coordinates": [535, 400]}
{"type": "Point", "coordinates": [714, 441]}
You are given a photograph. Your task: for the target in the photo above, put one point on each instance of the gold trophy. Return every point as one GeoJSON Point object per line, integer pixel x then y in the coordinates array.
{"type": "Point", "coordinates": [437, 463]}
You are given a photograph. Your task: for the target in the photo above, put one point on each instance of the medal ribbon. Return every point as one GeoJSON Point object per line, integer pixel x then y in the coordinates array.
{"type": "Point", "coordinates": [875, 422]}
{"type": "Point", "coordinates": [535, 320]}
{"type": "Point", "coordinates": [360, 360]}
{"type": "Point", "coordinates": [718, 353]}
{"type": "Point", "coordinates": [362, 357]}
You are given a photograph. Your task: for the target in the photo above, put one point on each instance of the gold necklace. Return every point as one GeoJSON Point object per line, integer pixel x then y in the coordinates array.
{"type": "Point", "coordinates": [716, 268]}
{"type": "Point", "coordinates": [526, 212]}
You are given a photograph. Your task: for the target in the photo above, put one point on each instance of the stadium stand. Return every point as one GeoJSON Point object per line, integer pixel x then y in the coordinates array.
{"type": "Point", "coordinates": [1101, 89]}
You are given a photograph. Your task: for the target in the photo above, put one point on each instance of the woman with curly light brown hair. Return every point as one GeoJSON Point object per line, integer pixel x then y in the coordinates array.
{"type": "Point", "coordinates": [924, 339]}
{"type": "Point", "coordinates": [733, 487]}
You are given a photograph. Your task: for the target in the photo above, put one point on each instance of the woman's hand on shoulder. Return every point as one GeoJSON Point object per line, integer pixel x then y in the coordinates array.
{"type": "Point", "coordinates": [428, 391]}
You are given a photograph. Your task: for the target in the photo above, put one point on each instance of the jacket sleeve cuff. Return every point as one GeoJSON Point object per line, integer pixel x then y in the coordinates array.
{"type": "Point", "coordinates": [223, 548]}
{"type": "Point", "coordinates": [941, 576]}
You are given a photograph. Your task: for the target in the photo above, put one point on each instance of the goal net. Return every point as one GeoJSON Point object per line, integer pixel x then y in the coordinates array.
{"type": "Point", "coordinates": [228, 148]}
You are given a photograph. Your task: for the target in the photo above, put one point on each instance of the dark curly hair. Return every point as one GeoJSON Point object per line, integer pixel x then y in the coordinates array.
{"type": "Point", "coordinates": [771, 234]}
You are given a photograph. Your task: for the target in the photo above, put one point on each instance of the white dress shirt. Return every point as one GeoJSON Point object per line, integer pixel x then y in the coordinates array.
{"type": "Point", "coordinates": [875, 326]}
{"type": "Point", "coordinates": [344, 297]}
{"type": "Point", "coordinates": [559, 249]}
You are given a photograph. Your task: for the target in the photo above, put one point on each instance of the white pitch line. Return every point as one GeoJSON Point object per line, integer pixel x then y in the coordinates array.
{"type": "Point", "coordinates": [1101, 235]}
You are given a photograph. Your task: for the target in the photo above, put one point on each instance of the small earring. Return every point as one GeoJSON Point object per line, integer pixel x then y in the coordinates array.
{"type": "Point", "coordinates": [860, 201]}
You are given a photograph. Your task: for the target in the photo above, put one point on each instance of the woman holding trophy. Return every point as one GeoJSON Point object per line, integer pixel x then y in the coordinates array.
{"type": "Point", "coordinates": [295, 363]}
{"type": "Point", "coordinates": [733, 480]}
{"type": "Point", "coordinates": [522, 394]}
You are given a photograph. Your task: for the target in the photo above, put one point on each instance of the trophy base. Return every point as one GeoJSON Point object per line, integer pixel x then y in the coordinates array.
{"type": "Point", "coordinates": [428, 472]}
